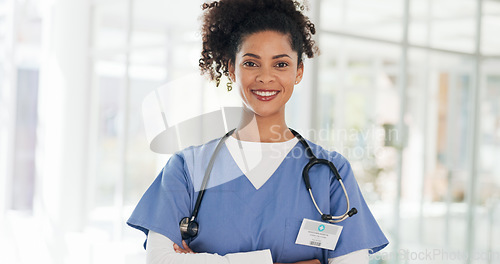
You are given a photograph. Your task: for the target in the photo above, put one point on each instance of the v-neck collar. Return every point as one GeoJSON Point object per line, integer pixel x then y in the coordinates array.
{"type": "Point", "coordinates": [237, 169]}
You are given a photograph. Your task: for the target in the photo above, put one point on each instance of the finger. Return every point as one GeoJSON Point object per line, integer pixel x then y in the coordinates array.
{"type": "Point", "coordinates": [186, 247]}
{"type": "Point", "coordinates": [177, 248]}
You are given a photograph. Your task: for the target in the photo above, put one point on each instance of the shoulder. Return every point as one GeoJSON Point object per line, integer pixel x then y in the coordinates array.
{"type": "Point", "coordinates": [193, 161]}
{"type": "Point", "coordinates": [192, 153]}
{"type": "Point", "coordinates": [186, 159]}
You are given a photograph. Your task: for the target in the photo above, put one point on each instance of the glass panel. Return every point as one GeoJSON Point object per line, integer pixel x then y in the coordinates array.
{"type": "Point", "coordinates": [161, 53]}
{"type": "Point", "coordinates": [435, 172]}
{"type": "Point", "coordinates": [109, 87]}
{"type": "Point", "coordinates": [156, 14]}
{"type": "Point", "coordinates": [3, 89]}
{"type": "Point", "coordinates": [444, 24]}
{"type": "Point", "coordinates": [141, 161]}
{"type": "Point", "coordinates": [183, 59]}
{"type": "Point", "coordinates": [491, 23]}
{"type": "Point", "coordinates": [358, 102]}
{"type": "Point", "coordinates": [378, 19]}
{"type": "Point", "coordinates": [110, 27]}
{"type": "Point", "coordinates": [164, 46]}
{"type": "Point", "coordinates": [149, 63]}
{"type": "Point", "coordinates": [23, 182]}
{"type": "Point", "coordinates": [488, 199]}
{"type": "Point", "coordinates": [156, 22]}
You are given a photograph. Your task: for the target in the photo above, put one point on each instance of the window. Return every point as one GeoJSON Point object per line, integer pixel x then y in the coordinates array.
{"type": "Point", "coordinates": [417, 115]}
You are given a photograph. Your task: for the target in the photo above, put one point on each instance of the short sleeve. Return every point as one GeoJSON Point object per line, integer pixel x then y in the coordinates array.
{"type": "Point", "coordinates": [360, 231]}
{"type": "Point", "coordinates": [165, 202]}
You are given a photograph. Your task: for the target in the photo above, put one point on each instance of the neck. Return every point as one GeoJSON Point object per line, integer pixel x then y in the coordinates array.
{"type": "Point", "coordinates": [262, 129]}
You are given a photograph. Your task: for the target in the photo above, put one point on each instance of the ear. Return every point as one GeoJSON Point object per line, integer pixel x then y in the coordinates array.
{"type": "Point", "coordinates": [300, 73]}
{"type": "Point", "coordinates": [230, 69]}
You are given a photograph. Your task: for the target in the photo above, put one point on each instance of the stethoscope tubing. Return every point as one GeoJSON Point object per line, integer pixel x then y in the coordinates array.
{"type": "Point", "coordinates": [189, 223]}
{"type": "Point", "coordinates": [206, 177]}
{"type": "Point", "coordinates": [313, 160]}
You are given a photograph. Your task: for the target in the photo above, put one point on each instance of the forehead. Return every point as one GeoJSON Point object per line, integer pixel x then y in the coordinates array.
{"type": "Point", "coordinates": [267, 43]}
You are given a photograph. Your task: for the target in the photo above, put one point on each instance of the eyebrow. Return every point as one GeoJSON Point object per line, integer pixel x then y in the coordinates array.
{"type": "Point", "coordinates": [274, 57]}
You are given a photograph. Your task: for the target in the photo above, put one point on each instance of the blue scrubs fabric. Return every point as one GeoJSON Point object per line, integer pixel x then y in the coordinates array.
{"type": "Point", "coordinates": [236, 217]}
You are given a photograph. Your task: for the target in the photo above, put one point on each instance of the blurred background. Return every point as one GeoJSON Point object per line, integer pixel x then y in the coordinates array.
{"type": "Point", "coordinates": [408, 91]}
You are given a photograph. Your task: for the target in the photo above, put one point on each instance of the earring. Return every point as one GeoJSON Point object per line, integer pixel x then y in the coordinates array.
{"type": "Point", "coordinates": [229, 83]}
{"type": "Point", "coordinates": [217, 81]}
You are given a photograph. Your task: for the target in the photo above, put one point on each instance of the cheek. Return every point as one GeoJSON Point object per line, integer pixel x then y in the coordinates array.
{"type": "Point", "coordinates": [289, 79]}
{"type": "Point", "coordinates": [244, 80]}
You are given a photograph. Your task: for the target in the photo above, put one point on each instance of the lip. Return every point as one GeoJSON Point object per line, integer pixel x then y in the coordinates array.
{"type": "Point", "coordinates": [264, 97]}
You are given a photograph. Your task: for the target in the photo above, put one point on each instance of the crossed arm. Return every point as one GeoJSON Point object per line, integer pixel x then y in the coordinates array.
{"type": "Point", "coordinates": [161, 250]}
{"type": "Point", "coordinates": [188, 250]}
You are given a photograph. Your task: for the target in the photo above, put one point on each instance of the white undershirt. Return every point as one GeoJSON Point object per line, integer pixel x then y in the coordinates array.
{"type": "Point", "coordinates": [257, 161]}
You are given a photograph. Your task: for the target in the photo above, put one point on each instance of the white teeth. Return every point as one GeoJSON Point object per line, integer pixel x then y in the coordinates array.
{"type": "Point", "coordinates": [262, 93]}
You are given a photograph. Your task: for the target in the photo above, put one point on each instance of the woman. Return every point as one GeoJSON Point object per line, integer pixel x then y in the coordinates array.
{"type": "Point", "coordinates": [255, 200]}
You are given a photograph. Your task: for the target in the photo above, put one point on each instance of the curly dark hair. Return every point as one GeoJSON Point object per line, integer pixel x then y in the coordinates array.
{"type": "Point", "coordinates": [227, 22]}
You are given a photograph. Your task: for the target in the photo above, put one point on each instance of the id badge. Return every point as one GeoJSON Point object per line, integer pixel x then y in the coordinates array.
{"type": "Point", "coordinates": [318, 234]}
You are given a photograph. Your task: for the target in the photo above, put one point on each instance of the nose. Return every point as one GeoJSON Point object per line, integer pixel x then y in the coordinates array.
{"type": "Point", "coordinates": [265, 75]}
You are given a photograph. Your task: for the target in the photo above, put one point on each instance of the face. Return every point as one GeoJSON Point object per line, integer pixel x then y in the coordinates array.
{"type": "Point", "coordinates": [265, 70]}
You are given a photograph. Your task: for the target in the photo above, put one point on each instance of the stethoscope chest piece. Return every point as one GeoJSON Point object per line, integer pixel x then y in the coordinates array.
{"type": "Point", "coordinates": [189, 228]}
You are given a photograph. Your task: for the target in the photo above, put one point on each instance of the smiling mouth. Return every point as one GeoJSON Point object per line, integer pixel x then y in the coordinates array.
{"type": "Point", "coordinates": [264, 93]}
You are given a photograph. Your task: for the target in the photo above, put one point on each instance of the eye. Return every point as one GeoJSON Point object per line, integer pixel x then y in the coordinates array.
{"type": "Point", "coordinates": [249, 64]}
{"type": "Point", "coordinates": [282, 65]}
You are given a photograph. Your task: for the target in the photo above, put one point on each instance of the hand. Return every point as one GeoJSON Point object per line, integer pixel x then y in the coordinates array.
{"type": "Point", "coordinates": [312, 261]}
{"type": "Point", "coordinates": [186, 248]}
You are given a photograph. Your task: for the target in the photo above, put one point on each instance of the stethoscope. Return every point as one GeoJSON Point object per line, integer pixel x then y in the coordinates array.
{"type": "Point", "coordinates": [189, 226]}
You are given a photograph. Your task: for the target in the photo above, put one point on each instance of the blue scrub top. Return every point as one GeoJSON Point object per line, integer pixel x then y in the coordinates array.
{"type": "Point", "coordinates": [236, 217]}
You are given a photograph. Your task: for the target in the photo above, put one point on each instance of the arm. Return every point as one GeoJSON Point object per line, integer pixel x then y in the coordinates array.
{"type": "Point", "coordinates": [160, 250]}
{"type": "Point", "coordinates": [187, 250]}
{"type": "Point", "coordinates": [312, 261]}
{"type": "Point", "coordinates": [358, 257]}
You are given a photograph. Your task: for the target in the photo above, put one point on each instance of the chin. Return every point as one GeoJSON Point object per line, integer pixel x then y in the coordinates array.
{"type": "Point", "coordinates": [265, 112]}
